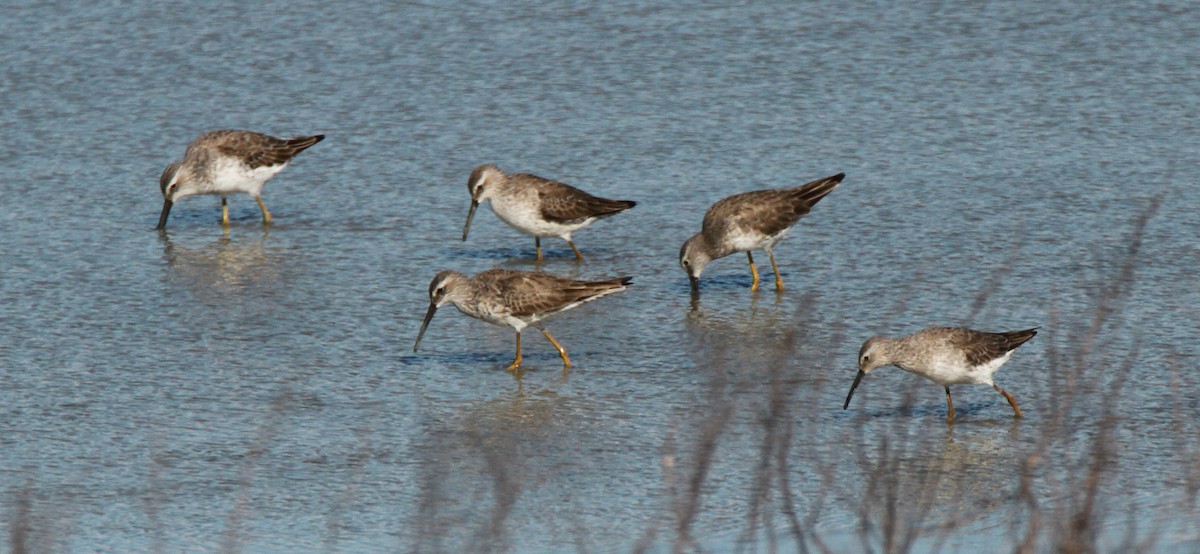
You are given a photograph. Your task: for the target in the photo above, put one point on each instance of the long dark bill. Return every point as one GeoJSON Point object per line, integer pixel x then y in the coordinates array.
{"type": "Point", "coordinates": [424, 324]}
{"type": "Point", "coordinates": [857, 379]}
{"type": "Point", "coordinates": [695, 281]}
{"type": "Point", "coordinates": [470, 216]}
{"type": "Point", "coordinates": [162, 219]}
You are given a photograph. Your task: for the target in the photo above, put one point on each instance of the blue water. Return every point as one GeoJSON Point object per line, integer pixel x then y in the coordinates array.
{"type": "Point", "coordinates": [256, 389]}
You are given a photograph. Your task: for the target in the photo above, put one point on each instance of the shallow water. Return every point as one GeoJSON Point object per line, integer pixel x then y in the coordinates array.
{"type": "Point", "coordinates": [257, 389]}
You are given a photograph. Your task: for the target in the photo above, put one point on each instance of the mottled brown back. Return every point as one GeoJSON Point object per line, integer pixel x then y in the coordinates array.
{"type": "Point", "coordinates": [563, 203]}
{"type": "Point", "coordinates": [981, 347]}
{"type": "Point", "coordinates": [527, 293]}
{"type": "Point", "coordinates": [768, 212]}
{"type": "Point", "coordinates": [259, 150]}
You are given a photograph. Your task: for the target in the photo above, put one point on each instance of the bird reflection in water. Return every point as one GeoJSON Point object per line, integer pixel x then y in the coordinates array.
{"type": "Point", "coordinates": [226, 265]}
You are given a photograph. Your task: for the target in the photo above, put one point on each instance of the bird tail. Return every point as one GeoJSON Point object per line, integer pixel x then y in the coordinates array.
{"type": "Point", "coordinates": [811, 193]}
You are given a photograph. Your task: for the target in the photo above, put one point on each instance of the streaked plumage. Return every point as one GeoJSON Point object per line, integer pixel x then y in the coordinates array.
{"type": "Point", "coordinates": [751, 221]}
{"type": "Point", "coordinates": [225, 162]}
{"type": "Point", "coordinates": [515, 299]}
{"type": "Point", "coordinates": [536, 206]}
{"type": "Point", "coordinates": [945, 355]}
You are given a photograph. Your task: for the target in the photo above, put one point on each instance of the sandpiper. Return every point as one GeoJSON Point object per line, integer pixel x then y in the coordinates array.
{"type": "Point", "coordinates": [536, 206]}
{"type": "Point", "coordinates": [225, 162]}
{"type": "Point", "coordinates": [945, 355]}
{"type": "Point", "coordinates": [514, 298]}
{"type": "Point", "coordinates": [751, 221]}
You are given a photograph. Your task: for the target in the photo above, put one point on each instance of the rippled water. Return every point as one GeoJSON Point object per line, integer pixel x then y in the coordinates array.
{"type": "Point", "coordinates": [257, 388]}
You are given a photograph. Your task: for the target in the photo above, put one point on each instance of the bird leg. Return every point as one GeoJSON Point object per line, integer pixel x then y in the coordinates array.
{"type": "Point", "coordinates": [537, 243]}
{"type": "Point", "coordinates": [263, 207]}
{"type": "Point", "coordinates": [561, 351]}
{"type": "Point", "coordinates": [778, 280]}
{"type": "Point", "coordinates": [517, 362]}
{"type": "Point", "coordinates": [950, 403]}
{"type": "Point", "coordinates": [578, 256]}
{"type": "Point", "coordinates": [224, 211]}
{"type": "Point", "coordinates": [1011, 401]}
{"type": "Point", "coordinates": [753, 272]}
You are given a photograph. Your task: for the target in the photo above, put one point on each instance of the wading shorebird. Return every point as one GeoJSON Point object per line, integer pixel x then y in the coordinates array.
{"type": "Point", "coordinates": [225, 162]}
{"type": "Point", "coordinates": [751, 221]}
{"type": "Point", "coordinates": [514, 298]}
{"type": "Point", "coordinates": [536, 206]}
{"type": "Point", "coordinates": [945, 355]}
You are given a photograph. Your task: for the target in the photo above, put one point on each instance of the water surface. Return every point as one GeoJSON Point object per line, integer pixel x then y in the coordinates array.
{"type": "Point", "coordinates": [255, 388]}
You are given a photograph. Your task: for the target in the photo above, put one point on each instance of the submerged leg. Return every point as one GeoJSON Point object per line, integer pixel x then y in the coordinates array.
{"type": "Point", "coordinates": [517, 362]}
{"type": "Point", "coordinates": [578, 256]}
{"type": "Point", "coordinates": [224, 211]}
{"type": "Point", "coordinates": [753, 272]}
{"type": "Point", "coordinates": [778, 280]}
{"type": "Point", "coordinates": [537, 243]}
{"type": "Point", "coordinates": [561, 351]}
{"type": "Point", "coordinates": [1011, 401]}
{"type": "Point", "coordinates": [263, 207]}
{"type": "Point", "coordinates": [950, 404]}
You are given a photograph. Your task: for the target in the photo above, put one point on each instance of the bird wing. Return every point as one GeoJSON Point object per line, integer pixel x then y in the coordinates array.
{"type": "Point", "coordinates": [528, 294]}
{"type": "Point", "coordinates": [563, 203]}
{"type": "Point", "coordinates": [981, 347]}
{"type": "Point", "coordinates": [807, 195]}
{"type": "Point", "coordinates": [768, 212]}
{"type": "Point", "coordinates": [259, 150]}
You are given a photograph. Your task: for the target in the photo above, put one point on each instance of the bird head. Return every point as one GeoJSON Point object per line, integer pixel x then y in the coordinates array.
{"type": "Point", "coordinates": [480, 185]}
{"type": "Point", "coordinates": [693, 256]}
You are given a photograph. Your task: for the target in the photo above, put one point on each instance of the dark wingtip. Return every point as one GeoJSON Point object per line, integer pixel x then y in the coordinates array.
{"type": "Point", "coordinates": [302, 143]}
{"type": "Point", "coordinates": [1017, 338]}
{"type": "Point", "coordinates": [611, 207]}
{"type": "Point", "coordinates": [627, 280]}
{"type": "Point", "coordinates": [809, 194]}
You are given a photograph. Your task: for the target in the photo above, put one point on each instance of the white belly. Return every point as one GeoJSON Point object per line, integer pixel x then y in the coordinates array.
{"type": "Point", "coordinates": [953, 371]}
{"type": "Point", "coordinates": [527, 218]}
{"type": "Point", "coordinates": [230, 176]}
{"type": "Point", "coordinates": [748, 240]}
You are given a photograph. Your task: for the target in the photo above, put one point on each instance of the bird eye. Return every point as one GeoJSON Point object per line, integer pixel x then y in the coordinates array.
{"type": "Point", "coordinates": [685, 263]}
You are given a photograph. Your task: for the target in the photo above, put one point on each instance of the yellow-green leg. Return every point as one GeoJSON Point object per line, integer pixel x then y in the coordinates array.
{"type": "Point", "coordinates": [950, 403]}
{"type": "Point", "coordinates": [224, 211]}
{"type": "Point", "coordinates": [578, 255]}
{"type": "Point", "coordinates": [517, 362]}
{"type": "Point", "coordinates": [753, 272]}
{"type": "Point", "coordinates": [263, 207]}
{"type": "Point", "coordinates": [561, 351]}
{"type": "Point", "coordinates": [1011, 401]}
{"type": "Point", "coordinates": [778, 279]}
{"type": "Point", "coordinates": [537, 243]}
